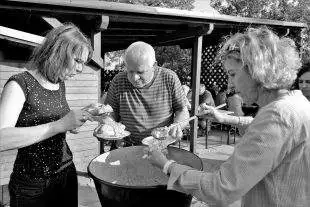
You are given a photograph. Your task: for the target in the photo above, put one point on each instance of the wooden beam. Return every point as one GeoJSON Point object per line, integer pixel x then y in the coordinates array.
{"type": "Point", "coordinates": [52, 21]}
{"type": "Point", "coordinates": [104, 23]}
{"type": "Point", "coordinates": [196, 62]}
{"type": "Point", "coordinates": [116, 36]}
{"type": "Point", "coordinates": [96, 62]}
{"type": "Point", "coordinates": [101, 24]}
{"type": "Point", "coordinates": [97, 58]}
{"type": "Point", "coordinates": [20, 37]}
{"type": "Point", "coordinates": [131, 13]}
{"type": "Point", "coordinates": [137, 30]}
{"type": "Point", "coordinates": [181, 35]}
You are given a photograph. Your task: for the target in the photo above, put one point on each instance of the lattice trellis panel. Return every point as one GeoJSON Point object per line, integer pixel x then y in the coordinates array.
{"type": "Point", "coordinates": [211, 73]}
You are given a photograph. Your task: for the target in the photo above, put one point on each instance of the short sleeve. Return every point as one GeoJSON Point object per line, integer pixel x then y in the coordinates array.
{"type": "Point", "coordinates": [178, 95]}
{"type": "Point", "coordinates": [112, 96]}
{"type": "Point", "coordinates": [18, 78]}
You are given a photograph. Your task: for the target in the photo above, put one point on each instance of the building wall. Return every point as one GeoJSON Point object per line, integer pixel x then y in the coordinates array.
{"type": "Point", "coordinates": [81, 90]}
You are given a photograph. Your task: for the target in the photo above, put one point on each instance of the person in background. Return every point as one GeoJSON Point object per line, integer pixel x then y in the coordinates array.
{"type": "Point", "coordinates": [186, 129]}
{"type": "Point", "coordinates": [186, 90]}
{"type": "Point", "coordinates": [35, 116]}
{"type": "Point", "coordinates": [304, 81]}
{"type": "Point", "coordinates": [221, 97]}
{"type": "Point", "coordinates": [146, 96]}
{"type": "Point", "coordinates": [270, 164]}
{"type": "Point", "coordinates": [205, 97]}
{"type": "Point", "coordinates": [215, 89]}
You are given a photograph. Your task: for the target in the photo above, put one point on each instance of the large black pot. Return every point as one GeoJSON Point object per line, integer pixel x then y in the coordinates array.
{"type": "Point", "coordinates": [145, 190]}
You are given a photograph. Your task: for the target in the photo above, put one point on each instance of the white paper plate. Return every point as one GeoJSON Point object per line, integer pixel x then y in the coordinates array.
{"type": "Point", "coordinates": [153, 141]}
{"type": "Point", "coordinates": [101, 136]}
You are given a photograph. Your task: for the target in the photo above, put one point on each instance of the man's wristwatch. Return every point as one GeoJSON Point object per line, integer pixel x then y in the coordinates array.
{"type": "Point", "coordinates": [167, 165]}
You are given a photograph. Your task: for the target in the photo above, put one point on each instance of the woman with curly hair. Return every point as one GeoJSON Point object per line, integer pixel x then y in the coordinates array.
{"type": "Point", "coordinates": [270, 166]}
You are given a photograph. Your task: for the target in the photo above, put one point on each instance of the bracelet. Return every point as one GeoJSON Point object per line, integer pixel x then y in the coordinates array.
{"type": "Point", "coordinates": [166, 166]}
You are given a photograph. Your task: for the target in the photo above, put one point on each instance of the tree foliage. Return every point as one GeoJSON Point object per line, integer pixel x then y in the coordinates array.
{"type": "Point", "coordinates": [177, 59]}
{"type": "Point", "coordinates": [177, 4]}
{"type": "Point", "coordinates": [172, 57]}
{"type": "Point", "coordinates": [284, 10]}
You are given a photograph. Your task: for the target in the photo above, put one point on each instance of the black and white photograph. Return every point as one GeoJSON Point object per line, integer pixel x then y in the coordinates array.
{"type": "Point", "coordinates": [155, 103]}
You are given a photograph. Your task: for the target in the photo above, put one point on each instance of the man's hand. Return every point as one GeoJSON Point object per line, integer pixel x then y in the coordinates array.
{"type": "Point", "coordinates": [156, 157]}
{"type": "Point", "coordinates": [176, 132]}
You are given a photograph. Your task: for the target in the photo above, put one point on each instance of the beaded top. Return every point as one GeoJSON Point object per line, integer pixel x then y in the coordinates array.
{"type": "Point", "coordinates": [41, 106]}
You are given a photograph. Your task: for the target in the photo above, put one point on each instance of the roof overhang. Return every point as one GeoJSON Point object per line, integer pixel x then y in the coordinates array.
{"type": "Point", "coordinates": [20, 37]}
{"type": "Point", "coordinates": [113, 26]}
{"type": "Point", "coordinates": [121, 24]}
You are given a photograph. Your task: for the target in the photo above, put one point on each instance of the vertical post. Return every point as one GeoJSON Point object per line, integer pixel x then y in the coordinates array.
{"type": "Point", "coordinates": [96, 43]}
{"type": "Point", "coordinates": [101, 148]}
{"type": "Point", "coordinates": [100, 93]}
{"type": "Point", "coordinates": [196, 63]}
{"type": "Point", "coordinates": [1, 195]}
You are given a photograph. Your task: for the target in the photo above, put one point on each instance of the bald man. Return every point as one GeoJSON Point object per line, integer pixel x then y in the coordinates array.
{"type": "Point", "coordinates": [146, 96]}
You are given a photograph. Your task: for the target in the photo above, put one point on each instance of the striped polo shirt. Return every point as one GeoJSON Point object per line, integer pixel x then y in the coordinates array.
{"type": "Point", "coordinates": [143, 109]}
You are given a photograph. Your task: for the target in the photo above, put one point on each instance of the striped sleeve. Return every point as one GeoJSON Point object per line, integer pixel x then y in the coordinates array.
{"type": "Point", "coordinates": [178, 95]}
{"type": "Point", "coordinates": [112, 97]}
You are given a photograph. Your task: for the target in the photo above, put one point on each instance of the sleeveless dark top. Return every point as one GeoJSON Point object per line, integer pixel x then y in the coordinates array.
{"type": "Point", "coordinates": [41, 160]}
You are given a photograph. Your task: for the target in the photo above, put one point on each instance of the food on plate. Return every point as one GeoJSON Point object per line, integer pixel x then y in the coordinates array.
{"type": "Point", "coordinates": [97, 109]}
{"type": "Point", "coordinates": [113, 129]}
{"type": "Point", "coordinates": [157, 144]}
{"type": "Point", "coordinates": [160, 132]}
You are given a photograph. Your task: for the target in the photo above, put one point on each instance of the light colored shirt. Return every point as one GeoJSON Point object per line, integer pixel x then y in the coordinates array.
{"type": "Point", "coordinates": [270, 166]}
